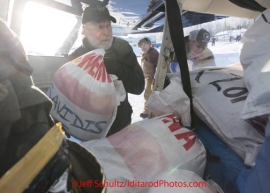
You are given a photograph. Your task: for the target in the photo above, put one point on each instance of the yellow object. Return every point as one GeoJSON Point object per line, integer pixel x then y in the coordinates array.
{"type": "Point", "coordinates": [19, 177]}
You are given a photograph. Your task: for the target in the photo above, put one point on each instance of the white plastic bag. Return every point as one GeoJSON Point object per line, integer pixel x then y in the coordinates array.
{"type": "Point", "coordinates": [85, 97]}
{"type": "Point", "coordinates": [255, 60]}
{"type": "Point", "coordinates": [172, 99]}
{"type": "Point", "coordinates": [145, 149]}
{"type": "Point", "coordinates": [218, 96]}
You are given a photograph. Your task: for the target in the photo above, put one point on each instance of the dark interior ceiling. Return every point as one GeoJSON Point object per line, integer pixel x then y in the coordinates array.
{"type": "Point", "coordinates": [151, 18]}
{"type": "Point", "coordinates": [147, 20]}
{"type": "Point", "coordinates": [189, 18]}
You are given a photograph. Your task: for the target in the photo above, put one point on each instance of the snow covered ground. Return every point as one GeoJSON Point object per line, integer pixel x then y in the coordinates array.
{"type": "Point", "coordinates": [225, 53]}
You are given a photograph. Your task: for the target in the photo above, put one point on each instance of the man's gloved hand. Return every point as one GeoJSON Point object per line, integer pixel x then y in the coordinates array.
{"type": "Point", "coordinates": [112, 66]}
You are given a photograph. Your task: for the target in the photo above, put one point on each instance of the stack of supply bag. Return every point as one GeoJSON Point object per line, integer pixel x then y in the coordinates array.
{"type": "Point", "coordinates": [219, 95]}
{"type": "Point", "coordinates": [235, 105]}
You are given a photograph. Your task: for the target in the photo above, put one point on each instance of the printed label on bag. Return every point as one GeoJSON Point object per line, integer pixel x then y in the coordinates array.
{"type": "Point", "coordinates": [70, 118]}
{"type": "Point", "coordinates": [188, 136]}
{"type": "Point", "coordinates": [93, 64]}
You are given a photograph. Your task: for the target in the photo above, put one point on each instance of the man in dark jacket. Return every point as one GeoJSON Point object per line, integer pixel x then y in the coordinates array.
{"type": "Point", "coordinates": [119, 58]}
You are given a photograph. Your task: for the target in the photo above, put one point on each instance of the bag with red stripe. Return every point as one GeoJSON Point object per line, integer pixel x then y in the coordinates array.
{"type": "Point", "coordinates": [85, 97]}
{"type": "Point", "coordinates": [134, 157]}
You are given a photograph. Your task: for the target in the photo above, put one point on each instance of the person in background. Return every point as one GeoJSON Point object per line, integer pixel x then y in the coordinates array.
{"type": "Point", "coordinates": [238, 38]}
{"type": "Point", "coordinates": [149, 63]}
{"type": "Point", "coordinates": [213, 41]}
{"type": "Point", "coordinates": [119, 58]}
{"type": "Point", "coordinates": [198, 55]}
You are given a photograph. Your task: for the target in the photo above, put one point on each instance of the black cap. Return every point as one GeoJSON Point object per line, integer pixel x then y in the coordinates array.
{"type": "Point", "coordinates": [96, 13]}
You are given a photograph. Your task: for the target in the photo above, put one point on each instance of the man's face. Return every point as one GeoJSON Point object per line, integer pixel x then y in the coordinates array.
{"type": "Point", "coordinates": [99, 34]}
{"type": "Point", "coordinates": [195, 48]}
{"type": "Point", "coordinates": [145, 47]}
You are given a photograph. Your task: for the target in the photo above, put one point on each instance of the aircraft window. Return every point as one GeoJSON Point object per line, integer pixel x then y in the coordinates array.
{"type": "Point", "coordinates": [46, 31]}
